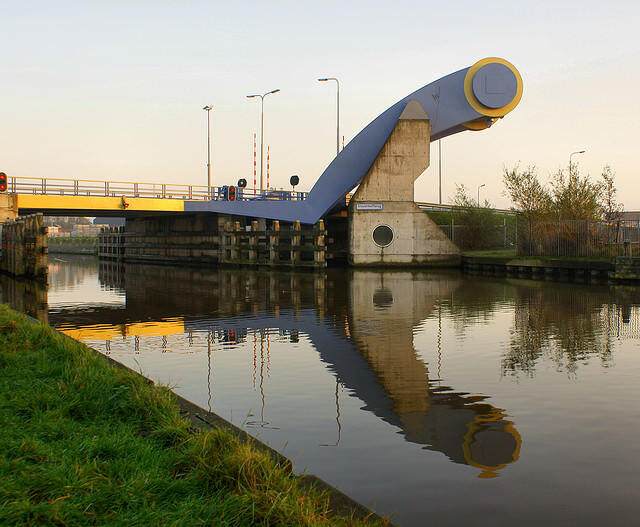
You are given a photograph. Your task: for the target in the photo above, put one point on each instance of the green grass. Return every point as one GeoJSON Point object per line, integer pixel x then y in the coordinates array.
{"type": "Point", "coordinates": [85, 443]}
{"type": "Point", "coordinates": [508, 253]}
{"type": "Point", "coordinates": [444, 217]}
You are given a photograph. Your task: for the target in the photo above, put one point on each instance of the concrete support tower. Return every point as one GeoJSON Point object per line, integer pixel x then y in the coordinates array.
{"type": "Point", "coordinates": [386, 227]}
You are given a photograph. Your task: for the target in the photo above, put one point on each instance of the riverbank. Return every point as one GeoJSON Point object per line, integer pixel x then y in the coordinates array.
{"type": "Point", "coordinates": [73, 245]}
{"type": "Point", "coordinates": [84, 442]}
{"type": "Point", "coordinates": [619, 269]}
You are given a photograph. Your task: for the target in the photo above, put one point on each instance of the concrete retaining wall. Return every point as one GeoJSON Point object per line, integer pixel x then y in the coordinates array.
{"type": "Point", "coordinates": [24, 247]}
{"type": "Point", "coordinates": [8, 207]}
{"type": "Point", "coordinates": [627, 268]}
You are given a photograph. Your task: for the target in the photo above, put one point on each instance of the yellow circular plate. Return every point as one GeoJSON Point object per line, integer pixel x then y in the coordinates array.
{"type": "Point", "coordinates": [477, 105]}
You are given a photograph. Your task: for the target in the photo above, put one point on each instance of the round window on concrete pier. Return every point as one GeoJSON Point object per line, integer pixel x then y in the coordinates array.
{"type": "Point", "coordinates": [382, 235]}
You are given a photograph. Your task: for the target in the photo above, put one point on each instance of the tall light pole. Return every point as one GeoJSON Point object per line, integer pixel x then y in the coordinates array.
{"type": "Point", "coordinates": [571, 155]}
{"type": "Point", "coordinates": [440, 171]}
{"type": "Point", "coordinates": [483, 185]}
{"type": "Point", "coordinates": [337, 110]}
{"type": "Point", "coordinates": [262, 128]}
{"type": "Point", "coordinates": [208, 109]}
{"type": "Point", "coordinates": [436, 98]}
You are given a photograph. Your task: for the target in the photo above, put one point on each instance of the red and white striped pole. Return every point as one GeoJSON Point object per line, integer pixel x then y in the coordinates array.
{"type": "Point", "coordinates": [267, 167]}
{"type": "Point", "coordinates": [254, 164]}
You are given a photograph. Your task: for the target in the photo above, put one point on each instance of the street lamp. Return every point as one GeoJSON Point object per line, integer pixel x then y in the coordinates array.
{"type": "Point", "coordinates": [483, 185]}
{"type": "Point", "coordinates": [440, 171]}
{"type": "Point", "coordinates": [208, 109]}
{"type": "Point", "coordinates": [571, 155]}
{"type": "Point", "coordinates": [337, 110]}
{"type": "Point", "coordinates": [262, 128]}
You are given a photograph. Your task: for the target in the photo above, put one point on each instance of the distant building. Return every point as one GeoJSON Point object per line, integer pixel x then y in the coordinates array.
{"type": "Point", "coordinates": [87, 230]}
{"type": "Point", "coordinates": [109, 222]}
{"type": "Point", "coordinates": [630, 215]}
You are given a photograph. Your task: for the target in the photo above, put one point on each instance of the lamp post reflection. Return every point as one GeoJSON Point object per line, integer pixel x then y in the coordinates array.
{"type": "Point", "coordinates": [337, 417]}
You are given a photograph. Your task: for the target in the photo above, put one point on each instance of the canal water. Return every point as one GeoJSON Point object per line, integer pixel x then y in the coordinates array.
{"type": "Point", "coordinates": [435, 397]}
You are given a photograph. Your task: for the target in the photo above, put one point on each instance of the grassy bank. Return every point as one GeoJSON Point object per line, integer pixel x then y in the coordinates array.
{"type": "Point", "coordinates": [85, 443]}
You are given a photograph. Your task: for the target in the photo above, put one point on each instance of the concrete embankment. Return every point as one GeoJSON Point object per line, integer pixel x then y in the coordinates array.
{"type": "Point", "coordinates": [73, 246]}
{"type": "Point", "coordinates": [23, 247]}
{"type": "Point", "coordinates": [86, 440]}
{"type": "Point", "coordinates": [70, 249]}
{"type": "Point", "coordinates": [622, 269]}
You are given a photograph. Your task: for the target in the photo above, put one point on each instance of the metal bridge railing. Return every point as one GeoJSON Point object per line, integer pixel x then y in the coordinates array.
{"type": "Point", "coordinates": [116, 189]}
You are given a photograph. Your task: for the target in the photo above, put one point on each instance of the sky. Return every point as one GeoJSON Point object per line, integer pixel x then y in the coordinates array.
{"type": "Point", "coordinates": [115, 90]}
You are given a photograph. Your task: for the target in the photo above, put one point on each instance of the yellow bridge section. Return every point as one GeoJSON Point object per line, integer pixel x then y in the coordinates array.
{"type": "Point", "coordinates": [28, 203]}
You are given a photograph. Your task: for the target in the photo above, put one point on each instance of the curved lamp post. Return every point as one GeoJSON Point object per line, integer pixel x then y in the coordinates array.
{"type": "Point", "coordinates": [483, 185]}
{"type": "Point", "coordinates": [262, 128]}
{"type": "Point", "coordinates": [571, 155]}
{"type": "Point", "coordinates": [324, 79]}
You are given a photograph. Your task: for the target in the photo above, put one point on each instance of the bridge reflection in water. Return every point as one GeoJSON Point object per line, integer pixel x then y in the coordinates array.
{"type": "Point", "coordinates": [384, 310]}
{"type": "Point", "coordinates": [360, 322]}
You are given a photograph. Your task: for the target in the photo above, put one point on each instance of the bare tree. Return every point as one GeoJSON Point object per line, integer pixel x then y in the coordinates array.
{"type": "Point", "coordinates": [610, 206]}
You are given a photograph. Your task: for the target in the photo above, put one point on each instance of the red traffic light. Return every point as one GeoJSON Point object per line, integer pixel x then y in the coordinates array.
{"type": "Point", "coordinates": [232, 193]}
{"type": "Point", "coordinates": [3, 182]}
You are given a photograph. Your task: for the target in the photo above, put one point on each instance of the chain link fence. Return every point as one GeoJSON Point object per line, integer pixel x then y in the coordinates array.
{"type": "Point", "coordinates": [579, 238]}
{"type": "Point", "coordinates": [502, 235]}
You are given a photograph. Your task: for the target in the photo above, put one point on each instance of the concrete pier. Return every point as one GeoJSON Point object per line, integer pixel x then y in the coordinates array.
{"type": "Point", "coordinates": [24, 247]}
{"type": "Point", "coordinates": [8, 207]}
{"type": "Point", "coordinates": [215, 239]}
{"type": "Point", "coordinates": [386, 227]}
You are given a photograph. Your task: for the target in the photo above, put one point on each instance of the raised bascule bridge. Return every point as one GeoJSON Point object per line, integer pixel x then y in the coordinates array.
{"type": "Point", "coordinates": [380, 223]}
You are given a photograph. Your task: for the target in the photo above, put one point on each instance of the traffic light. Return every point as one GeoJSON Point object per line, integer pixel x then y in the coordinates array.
{"type": "Point", "coordinates": [3, 182]}
{"type": "Point", "coordinates": [232, 193]}
{"type": "Point", "coordinates": [224, 191]}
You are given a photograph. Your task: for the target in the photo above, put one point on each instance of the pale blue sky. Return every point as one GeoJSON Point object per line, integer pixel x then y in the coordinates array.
{"type": "Point", "coordinates": [114, 90]}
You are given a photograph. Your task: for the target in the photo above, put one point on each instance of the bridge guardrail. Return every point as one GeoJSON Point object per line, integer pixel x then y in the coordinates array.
{"type": "Point", "coordinates": [88, 187]}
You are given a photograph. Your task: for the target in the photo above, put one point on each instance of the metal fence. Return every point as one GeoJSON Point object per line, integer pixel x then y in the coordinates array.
{"type": "Point", "coordinates": [499, 236]}
{"type": "Point", "coordinates": [579, 238]}
{"type": "Point", "coordinates": [88, 187]}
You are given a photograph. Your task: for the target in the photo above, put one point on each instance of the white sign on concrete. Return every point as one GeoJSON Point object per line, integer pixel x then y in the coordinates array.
{"type": "Point", "coordinates": [368, 206]}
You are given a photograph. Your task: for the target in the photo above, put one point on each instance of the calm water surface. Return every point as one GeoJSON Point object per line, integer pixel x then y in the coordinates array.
{"type": "Point", "coordinates": [439, 398]}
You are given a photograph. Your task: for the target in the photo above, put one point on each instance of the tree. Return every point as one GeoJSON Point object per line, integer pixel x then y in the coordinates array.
{"type": "Point", "coordinates": [575, 197]}
{"type": "Point", "coordinates": [461, 198]}
{"type": "Point", "coordinates": [478, 221]}
{"type": "Point", "coordinates": [569, 196]}
{"type": "Point", "coordinates": [610, 207]}
{"type": "Point", "coordinates": [530, 198]}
